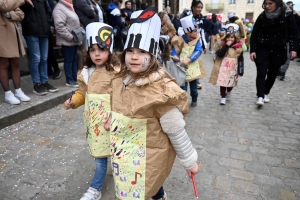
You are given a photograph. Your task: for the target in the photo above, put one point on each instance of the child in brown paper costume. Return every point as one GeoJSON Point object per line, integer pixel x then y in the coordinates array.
{"type": "Point", "coordinates": [228, 56]}
{"type": "Point", "coordinates": [94, 91]}
{"type": "Point", "coordinates": [147, 121]}
{"type": "Point", "coordinates": [187, 50]}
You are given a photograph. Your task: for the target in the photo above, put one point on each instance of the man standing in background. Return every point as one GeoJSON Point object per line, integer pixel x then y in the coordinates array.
{"type": "Point", "coordinates": [36, 30]}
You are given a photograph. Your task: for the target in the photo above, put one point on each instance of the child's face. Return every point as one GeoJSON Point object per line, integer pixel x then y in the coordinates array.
{"type": "Point", "coordinates": [192, 35]}
{"type": "Point", "coordinates": [137, 60]}
{"type": "Point", "coordinates": [99, 56]}
{"type": "Point", "coordinates": [230, 38]}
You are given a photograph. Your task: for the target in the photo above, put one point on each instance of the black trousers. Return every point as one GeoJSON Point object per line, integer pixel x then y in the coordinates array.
{"type": "Point", "coordinates": [266, 75]}
{"type": "Point", "coordinates": [52, 62]}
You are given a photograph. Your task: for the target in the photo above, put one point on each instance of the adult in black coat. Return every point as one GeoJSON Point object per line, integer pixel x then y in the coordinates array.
{"type": "Point", "coordinates": [268, 44]}
{"type": "Point", "coordinates": [86, 11]}
{"type": "Point", "coordinates": [36, 30]}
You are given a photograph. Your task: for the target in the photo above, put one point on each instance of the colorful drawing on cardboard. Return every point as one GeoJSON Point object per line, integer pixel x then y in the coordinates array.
{"type": "Point", "coordinates": [96, 111]}
{"type": "Point", "coordinates": [228, 72]}
{"type": "Point", "coordinates": [128, 156]}
{"type": "Point", "coordinates": [193, 70]}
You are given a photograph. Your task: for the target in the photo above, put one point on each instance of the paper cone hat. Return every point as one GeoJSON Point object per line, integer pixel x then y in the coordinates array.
{"type": "Point", "coordinates": [188, 23]}
{"type": "Point", "coordinates": [144, 30]}
{"type": "Point", "coordinates": [101, 34]}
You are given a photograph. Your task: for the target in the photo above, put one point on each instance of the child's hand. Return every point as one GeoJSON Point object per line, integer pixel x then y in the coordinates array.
{"type": "Point", "coordinates": [69, 104]}
{"type": "Point", "coordinates": [229, 43]}
{"type": "Point", "coordinates": [107, 124]}
{"type": "Point", "coordinates": [175, 58]}
{"type": "Point", "coordinates": [194, 170]}
{"type": "Point", "coordinates": [186, 62]}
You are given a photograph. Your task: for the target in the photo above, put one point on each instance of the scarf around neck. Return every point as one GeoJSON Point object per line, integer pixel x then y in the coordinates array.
{"type": "Point", "coordinates": [273, 15]}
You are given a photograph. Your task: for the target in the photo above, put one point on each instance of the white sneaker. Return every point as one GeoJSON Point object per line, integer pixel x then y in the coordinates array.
{"type": "Point", "coordinates": [223, 101]}
{"type": "Point", "coordinates": [266, 99]}
{"type": "Point", "coordinates": [91, 194]}
{"type": "Point", "coordinates": [10, 98]}
{"type": "Point", "coordinates": [260, 101]}
{"type": "Point", "coordinates": [228, 95]}
{"type": "Point", "coordinates": [20, 95]}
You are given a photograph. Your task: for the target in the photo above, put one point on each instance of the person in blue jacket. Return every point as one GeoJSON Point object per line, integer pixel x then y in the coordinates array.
{"type": "Point", "coordinates": [115, 20]}
{"type": "Point", "coordinates": [191, 39]}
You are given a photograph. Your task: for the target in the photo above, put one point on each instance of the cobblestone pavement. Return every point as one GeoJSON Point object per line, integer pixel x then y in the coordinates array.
{"type": "Point", "coordinates": [244, 152]}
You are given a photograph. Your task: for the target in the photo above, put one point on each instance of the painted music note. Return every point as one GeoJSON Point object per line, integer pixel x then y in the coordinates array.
{"type": "Point", "coordinates": [134, 182]}
{"type": "Point", "coordinates": [116, 165]}
{"type": "Point", "coordinates": [97, 131]}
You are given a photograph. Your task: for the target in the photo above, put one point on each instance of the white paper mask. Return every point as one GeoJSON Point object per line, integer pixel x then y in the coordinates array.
{"type": "Point", "coordinates": [101, 34]}
{"type": "Point", "coordinates": [188, 23]}
{"type": "Point", "coordinates": [144, 30]}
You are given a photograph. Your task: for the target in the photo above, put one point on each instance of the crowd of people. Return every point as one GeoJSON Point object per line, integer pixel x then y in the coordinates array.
{"type": "Point", "coordinates": [128, 95]}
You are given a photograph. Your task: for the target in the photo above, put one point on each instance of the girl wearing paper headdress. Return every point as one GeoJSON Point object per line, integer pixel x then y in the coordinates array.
{"type": "Point", "coordinates": [187, 50]}
{"type": "Point", "coordinates": [147, 122]}
{"type": "Point", "coordinates": [228, 64]}
{"type": "Point", "coordinates": [94, 79]}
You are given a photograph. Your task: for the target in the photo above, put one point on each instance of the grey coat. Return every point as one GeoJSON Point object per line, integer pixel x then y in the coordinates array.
{"type": "Point", "coordinates": [65, 20]}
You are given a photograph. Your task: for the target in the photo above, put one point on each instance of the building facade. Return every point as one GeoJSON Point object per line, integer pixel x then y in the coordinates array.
{"type": "Point", "coordinates": [249, 9]}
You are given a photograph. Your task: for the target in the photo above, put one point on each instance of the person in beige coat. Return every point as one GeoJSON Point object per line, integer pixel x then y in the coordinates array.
{"type": "Point", "coordinates": [65, 21]}
{"type": "Point", "coordinates": [11, 48]}
{"type": "Point", "coordinates": [168, 30]}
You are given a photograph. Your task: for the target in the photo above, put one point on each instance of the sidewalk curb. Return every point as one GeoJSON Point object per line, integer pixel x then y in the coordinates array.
{"type": "Point", "coordinates": [33, 110]}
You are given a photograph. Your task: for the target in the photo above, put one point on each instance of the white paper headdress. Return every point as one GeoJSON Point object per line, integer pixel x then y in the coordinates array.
{"type": "Point", "coordinates": [231, 28]}
{"type": "Point", "coordinates": [101, 34]}
{"type": "Point", "coordinates": [188, 23]}
{"type": "Point", "coordinates": [231, 15]}
{"type": "Point", "coordinates": [144, 30]}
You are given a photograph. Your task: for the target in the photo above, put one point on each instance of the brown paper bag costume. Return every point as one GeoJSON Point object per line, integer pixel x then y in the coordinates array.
{"type": "Point", "coordinates": [97, 108]}
{"type": "Point", "coordinates": [141, 153]}
{"type": "Point", "coordinates": [228, 75]}
{"type": "Point", "coordinates": [179, 44]}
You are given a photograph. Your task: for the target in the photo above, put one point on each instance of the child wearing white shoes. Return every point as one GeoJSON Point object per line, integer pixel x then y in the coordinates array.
{"type": "Point", "coordinates": [225, 72]}
{"type": "Point", "coordinates": [100, 67]}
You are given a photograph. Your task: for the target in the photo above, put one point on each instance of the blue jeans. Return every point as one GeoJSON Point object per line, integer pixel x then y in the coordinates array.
{"type": "Point", "coordinates": [100, 172]}
{"type": "Point", "coordinates": [38, 54]}
{"type": "Point", "coordinates": [159, 194]}
{"type": "Point", "coordinates": [193, 89]}
{"type": "Point", "coordinates": [70, 63]}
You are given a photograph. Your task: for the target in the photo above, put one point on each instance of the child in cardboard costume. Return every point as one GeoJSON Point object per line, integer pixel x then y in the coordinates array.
{"type": "Point", "coordinates": [187, 49]}
{"type": "Point", "coordinates": [147, 121]}
{"type": "Point", "coordinates": [228, 56]}
{"type": "Point", "coordinates": [94, 80]}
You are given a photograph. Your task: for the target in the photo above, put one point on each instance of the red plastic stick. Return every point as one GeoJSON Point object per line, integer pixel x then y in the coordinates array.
{"type": "Point", "coordinates": [195, 186]}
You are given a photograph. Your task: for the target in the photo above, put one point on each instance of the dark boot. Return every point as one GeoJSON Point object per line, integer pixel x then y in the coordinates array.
{"type": "Point", "coordinates": [282, 77]}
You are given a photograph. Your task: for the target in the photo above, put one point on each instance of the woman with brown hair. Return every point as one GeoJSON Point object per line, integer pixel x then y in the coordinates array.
{"type": "Point", "coordinates": [273, 28]}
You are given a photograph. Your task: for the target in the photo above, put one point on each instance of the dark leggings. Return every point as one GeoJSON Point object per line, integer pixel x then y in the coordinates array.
{"type": "Point", "coordinates": [225, 90]}
{"type": "Point", "coordinates": [13, 63]}
{"type": "Point", "coordinates": [52, 63]}
{"type": "Point", "coordinates": [266, 68]}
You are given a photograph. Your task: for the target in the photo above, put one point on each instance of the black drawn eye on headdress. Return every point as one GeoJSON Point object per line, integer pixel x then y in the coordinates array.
{"type": "Point", "coordinates": [148, 13]}
{"type": "Point", "coordinates": [104, 37]}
